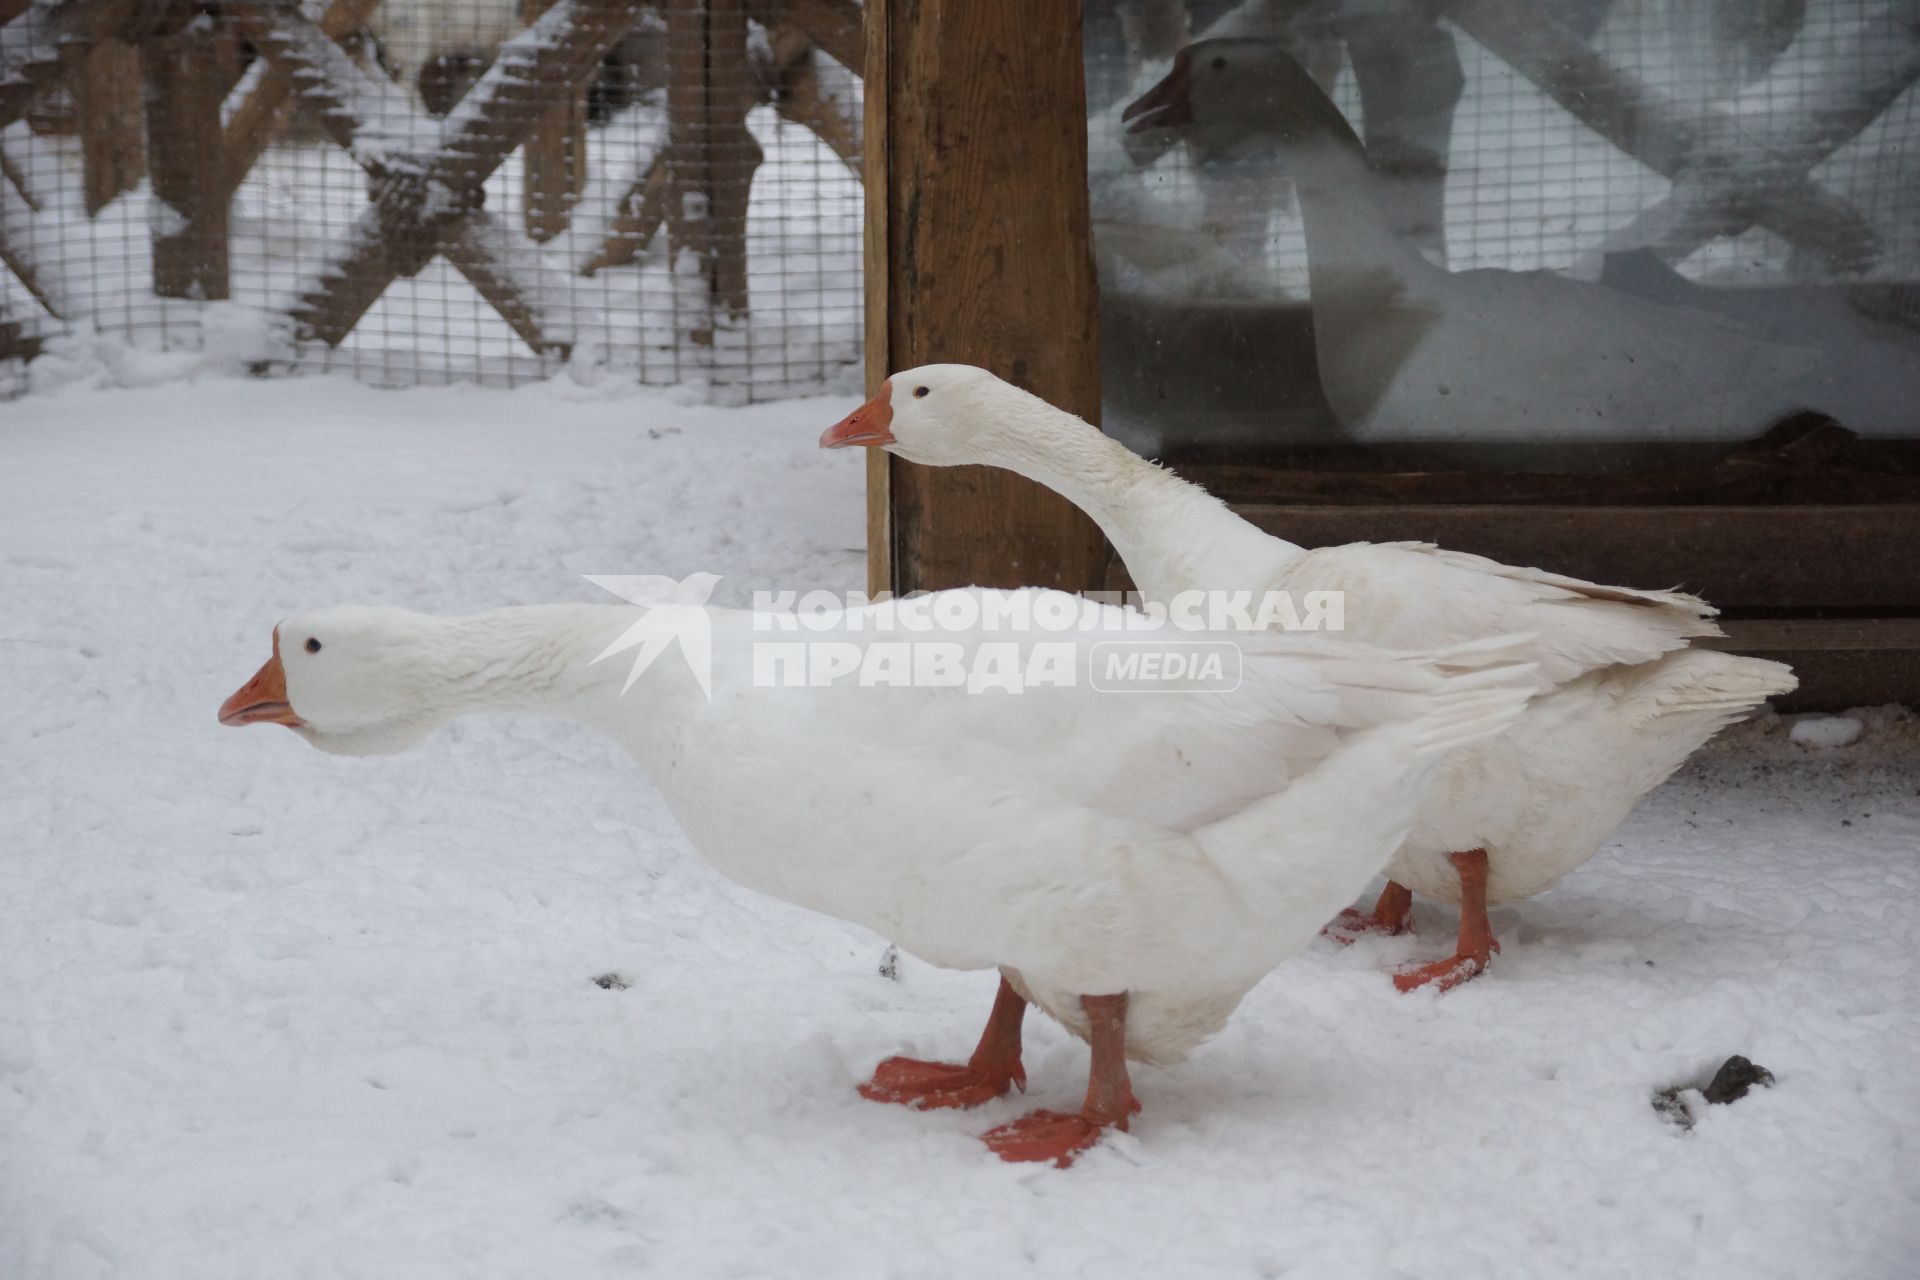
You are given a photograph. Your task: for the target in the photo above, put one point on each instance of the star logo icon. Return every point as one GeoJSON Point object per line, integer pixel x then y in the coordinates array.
{"type": "Point", "coordinates": [674, 611]}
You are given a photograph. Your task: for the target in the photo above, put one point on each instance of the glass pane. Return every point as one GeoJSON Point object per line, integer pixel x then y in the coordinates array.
{"type": "Point", "coordinates": [1536, 234]}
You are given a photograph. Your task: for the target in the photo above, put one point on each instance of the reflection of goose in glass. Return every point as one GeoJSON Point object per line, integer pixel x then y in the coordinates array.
{"type": "Point", "coordinates": [1410, 351]}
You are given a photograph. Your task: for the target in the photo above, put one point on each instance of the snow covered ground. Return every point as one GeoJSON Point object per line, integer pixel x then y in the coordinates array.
{"type": "Point", "coordinates": [267, 1013]}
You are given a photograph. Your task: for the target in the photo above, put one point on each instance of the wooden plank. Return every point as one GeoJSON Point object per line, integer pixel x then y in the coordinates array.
{"type": "Point", "coordinates": [185, 146]}
{"type": "Point", "coordinates": [1837, 679]}
{"type": "Point", "coordinates": [31, 57]}
{"type": "Point", "coordinates": [732, 91]}
{"type": "Point", "coordinates": [256, 121]}
{"type": "Point", "coordinates": [368, 115]}
{"type": "Point", "coordinates": [356, 274]}
{"type": "Point", "coordinates": [556, 156]}
{"type": "Point", "coordinates": [426, 193]}
{"type": "Point", "coordinates": [481, 247]}
{"type": "Point", "coordinates": [639, 214]}
{"type": "Point", "coordinates": [989, 261]}
{"type": "Point", "coordinates": [1764, 635]}
{"type": "Point", "coordinates": [17, 242]}
{"type": "Point", "coordinates": [16, 177]}
{"type": "Point", "coordinates": [839, 27]}
{"type": "Point", "coordinates": [686, 165]}
{"type": "Point", "coordinates": [1754, 558]}
{"type": "Point", "coordinates": [561, 51]}
{"type": "Point", "coordinates": [877, 186]}
{"type": "Point", "coordinates": [104, 79]}
{"type": "Point", "coordinates": [799, 95]}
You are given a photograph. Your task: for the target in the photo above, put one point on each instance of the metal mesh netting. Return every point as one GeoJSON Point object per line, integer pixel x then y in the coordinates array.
{"type": "Point", "coordinates": [434, 190]}
{"type": "Point", "coordinates": [1533, 223]}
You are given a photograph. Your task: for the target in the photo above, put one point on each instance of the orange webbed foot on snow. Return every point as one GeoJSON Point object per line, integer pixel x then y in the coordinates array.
{"type": "Point", "coordinates": [929, 1086]}
{"type": "Point", "coordinates": [1058, 1137]}
{"type": "Point", "coordinates": [1476, 947]}
{"type": "Point", "coordinates": [1447, 974]}
{"type": "Point", "coordinates": [993, 1069]}
{"type": "Point", "coordinates": [1052, 1136]}
{"type": "Point", "coordinates": [1392, 914]}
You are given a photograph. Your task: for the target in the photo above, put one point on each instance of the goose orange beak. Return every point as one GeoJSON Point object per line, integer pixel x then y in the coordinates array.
{"type": "Point", "coordinates": [870, 424]}
{"type": "Point", "coordinates": [263, 699]}
{"type": "Point", "coordinates": [1166, 104]}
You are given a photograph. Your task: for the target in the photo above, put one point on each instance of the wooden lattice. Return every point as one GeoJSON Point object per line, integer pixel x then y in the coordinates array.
{"type": "Point", "coordinates": [425, 175]}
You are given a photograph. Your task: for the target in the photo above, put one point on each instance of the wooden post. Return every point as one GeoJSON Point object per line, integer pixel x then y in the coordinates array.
{"type": "Point", "coordinates": [186, 153]}
{"type": "Point", "coordinates": [979, 250]}
{"type": "Point", "coordinates": [687, 196]}
{"type": "Point", "coordinates": [556, 155]}
{"type": "Point", "coordinates": [711, 157]}
{"type": "Point", "coordinates": [733, 155]}
{"type": "Point", "coordinates": [104, 79]}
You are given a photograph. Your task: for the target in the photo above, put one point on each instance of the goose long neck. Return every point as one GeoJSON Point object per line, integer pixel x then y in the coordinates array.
{"type": "Point", "coordinates": [1173, 535]}
{"type": "Point", "coordinates": [535, 658]}
{"type": "Point", "coordinates": [1350, 233]}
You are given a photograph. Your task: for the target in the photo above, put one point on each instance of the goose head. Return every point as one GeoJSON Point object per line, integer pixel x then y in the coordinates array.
{"type": "Point", "coordinates": [944, 415]}
{"type": "Point", "coordinates": [1229, 98]}
{"type": "Point", "coordinates": [351, 680]}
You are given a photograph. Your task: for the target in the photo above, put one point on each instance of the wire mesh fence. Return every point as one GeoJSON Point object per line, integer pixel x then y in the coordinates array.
{"type": "Point", "coordinates": [435, 190]}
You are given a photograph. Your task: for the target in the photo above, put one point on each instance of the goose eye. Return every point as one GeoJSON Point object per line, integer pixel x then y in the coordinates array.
{"type": "Point", "coordinates": [921, 393]}
{"type": "Point", "coordinates": [1220, 64]}
{"type": "Point", "coordinates": [313, 644]}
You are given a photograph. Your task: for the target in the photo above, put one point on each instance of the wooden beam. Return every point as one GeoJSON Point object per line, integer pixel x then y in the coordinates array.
{"type": "Point", "coordinates": [104, 79]}
{"type": "Point", "coordinates": [711, 157]}
{"type": "Point", "coordinates": [876, 185]}
{"type": "Point", "coordinates": [1763, 635]}
{"type": "Point", "coordinates": [556, 155]}
{"type": "Point", "coordinates": [186, 153]}
{"type": "Point", "coordinates": [253, 124]}
{"type": "Point", "coordinates": [17, 243]}
{"type": "Point", "coordinates": [733, 155]}
{"type": "Point", "coordinates": [31, 57]}
{"type": "Point", "coordinates": [639, 214]}
{"type": "Point", "coordinates": [799, 96]}
{"type": "Point", "coordinates": [484, 250]}
{"type": "Point", "coordinates": [1752, 558]}
{"type": "Point", "coordinates": [837, 26]}
{"type": "Point", "coordinates": [986, 259]}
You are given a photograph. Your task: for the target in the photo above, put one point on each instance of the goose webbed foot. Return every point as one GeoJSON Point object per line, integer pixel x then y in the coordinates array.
{"type": "Point", "coordinates": [1447, 974]}
{"type": "Point", "coordinates": [1058, 1137]}
{"type": "Point", "coordinates": [930, 1086]}
{"type": "Point", "coordinates": [994, 1068]}
{"type": "Point", "coordinates": [1476, 946]}
{"type": "Point", "coordinates": [1392, 914]}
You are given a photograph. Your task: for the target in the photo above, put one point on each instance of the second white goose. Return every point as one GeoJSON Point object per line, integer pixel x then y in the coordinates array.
{"type": "Point", "coordinates": [1621, 701]}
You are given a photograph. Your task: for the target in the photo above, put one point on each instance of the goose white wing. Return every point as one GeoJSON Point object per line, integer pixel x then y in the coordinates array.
{"type": "Point", "coordinates": [1412, 595]}
{"type": "Point", "coordinates": [1174, 758]}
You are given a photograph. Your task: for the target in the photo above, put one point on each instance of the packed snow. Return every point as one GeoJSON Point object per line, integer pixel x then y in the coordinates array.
{"type": "Point", "coordinates": [479, 1011]}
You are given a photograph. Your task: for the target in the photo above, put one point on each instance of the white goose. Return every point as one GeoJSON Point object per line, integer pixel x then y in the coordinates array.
{"type": "Point", "coordinates": [1621, 701]}
{"type": "Point", "coordinates": [1410, 351]}
{"type": "Point", "coordinates": [1120, 858]}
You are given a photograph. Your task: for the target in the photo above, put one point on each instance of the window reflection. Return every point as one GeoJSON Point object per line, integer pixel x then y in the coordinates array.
{"type": "Point", "coordinates": [1564, 234]}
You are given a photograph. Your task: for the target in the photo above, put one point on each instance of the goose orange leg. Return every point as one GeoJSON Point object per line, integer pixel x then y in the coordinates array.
{"type": "Point", "coordinates": [1059, 1137]}
{"type": "Point", "coordinates": [1391, 914]}
{"type": "Point", "coordinates": [993, 1069]}
{"type": "Point", "coordinates": [1477, 945]}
